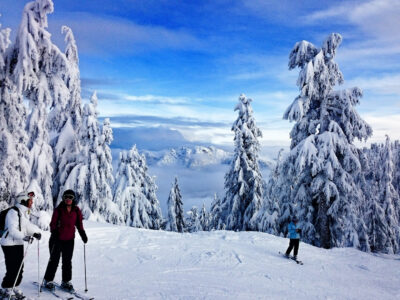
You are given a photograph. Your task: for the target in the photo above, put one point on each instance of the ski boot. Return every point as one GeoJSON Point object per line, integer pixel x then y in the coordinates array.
{"type": "Point", "coordinates": [48, 285]}
{"type": "Point", "coordinates": [67, 286]}
{"type": "Point", "coordinates": [7, 293]}
{"type": "Point", "coordinates": [18, 294]}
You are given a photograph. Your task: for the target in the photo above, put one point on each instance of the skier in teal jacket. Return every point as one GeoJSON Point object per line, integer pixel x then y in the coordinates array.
{"type": "Point", "coordinates": [294, 235]}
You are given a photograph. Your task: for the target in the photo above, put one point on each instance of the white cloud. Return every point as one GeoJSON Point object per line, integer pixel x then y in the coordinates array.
{"type": "Point", "coordinates": [383, 85]}
{"type": "Point", "coordinates": [340, 12]}
{"type": "Point", "coordinates": [155, 99]}
{"type": "Point", "coordinates": [382, 126]}
{"type": "Point", "coordinates": [101, 35]}
{"type": "Point", "coordinates": [375, 17]}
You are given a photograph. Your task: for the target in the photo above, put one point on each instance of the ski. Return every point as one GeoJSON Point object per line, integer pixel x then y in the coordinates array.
{"type": "Point", "coordinates": [13, 297]}
{"type": "Point", "coordinates": [299, 262]}
{"type": "Point", "coordinates": [54, 293]}
{"type": "Point", "coordinates": [74, 293]}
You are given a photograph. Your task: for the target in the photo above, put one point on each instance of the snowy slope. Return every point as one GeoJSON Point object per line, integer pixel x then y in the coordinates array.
{"type": "Point", "coordinates": [128, 263]}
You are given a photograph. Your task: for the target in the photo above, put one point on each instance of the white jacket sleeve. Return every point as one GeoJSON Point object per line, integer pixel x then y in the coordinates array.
{"type": "Point", "coordinates": [30, 228]}
{"type": "Point", "coordinates": [12, 224]}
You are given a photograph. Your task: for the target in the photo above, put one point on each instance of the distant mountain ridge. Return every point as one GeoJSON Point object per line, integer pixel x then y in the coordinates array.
{"type": "Point", "coordinates": [195, 157]}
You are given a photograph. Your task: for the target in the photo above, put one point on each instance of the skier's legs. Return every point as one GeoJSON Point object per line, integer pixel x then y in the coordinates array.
{"type": "Point", "coordinates": [291, 245]}
{"type": "Point", "coordinates": [55, 251]}
{"type": "Point", "coordinates": [67, 252]}
{"type": "Point", "coordinates": [13, 258]}
{"type": "Point", "coordinates": [296, 246]}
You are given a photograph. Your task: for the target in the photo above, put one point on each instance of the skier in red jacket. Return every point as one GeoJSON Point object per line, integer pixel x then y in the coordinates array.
{"type": "Point", "coordinates": [65, 218]}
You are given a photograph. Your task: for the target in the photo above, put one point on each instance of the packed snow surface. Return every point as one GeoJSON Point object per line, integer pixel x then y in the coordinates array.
{"type": "Point", "coordinates": [129, 263]}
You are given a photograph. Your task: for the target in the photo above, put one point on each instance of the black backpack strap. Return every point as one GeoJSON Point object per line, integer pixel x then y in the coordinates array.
{"type": "Point", "coordinates": [19, 216]}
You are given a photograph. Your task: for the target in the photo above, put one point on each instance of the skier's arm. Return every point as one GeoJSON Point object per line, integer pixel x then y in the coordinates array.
{"type": "Point", "coordinates": [54, 221]}
{"type": "Point", "coordinates": [12, 225]}
{"type": "Point", "coordinates": [79, 225]}
{"type": "Point", "coordinates": [30, 228]}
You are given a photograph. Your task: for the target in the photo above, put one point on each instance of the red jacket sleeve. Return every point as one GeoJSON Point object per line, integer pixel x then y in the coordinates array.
{"type": "Point", "coordinates": [54, 220]}
{"type": "Point", "coordinates": [79, 224]}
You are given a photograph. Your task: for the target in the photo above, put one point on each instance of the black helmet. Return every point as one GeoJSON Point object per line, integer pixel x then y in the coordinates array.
{"type": "Point", "coordinates": [294, 219]}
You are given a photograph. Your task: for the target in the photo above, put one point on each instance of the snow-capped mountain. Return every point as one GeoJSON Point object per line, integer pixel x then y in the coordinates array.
{"type": "Point", "coordinates": [195, 157]}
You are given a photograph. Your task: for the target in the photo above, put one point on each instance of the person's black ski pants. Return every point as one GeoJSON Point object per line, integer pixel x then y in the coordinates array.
{"type": "Point", "coordinates": [64, 249]}
{"type": "Point", "coordinates": [294, 243]}
{"type": "Point", "coordinates": [14, 256]}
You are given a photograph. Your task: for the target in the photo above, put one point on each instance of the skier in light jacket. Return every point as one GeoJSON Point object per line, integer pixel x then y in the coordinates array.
{"type": "Point", "coordinates": [18, 229]}
{"type": "Point", "coordinates": [294, 235]}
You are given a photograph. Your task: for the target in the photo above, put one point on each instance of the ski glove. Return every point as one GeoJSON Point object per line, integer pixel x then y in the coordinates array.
{"type": "Point", "coordinates": [28, 239]}
{"type": "Point", "coordinates": [83, 235]}
{"type": "Point", "coordinates": [37, 235]}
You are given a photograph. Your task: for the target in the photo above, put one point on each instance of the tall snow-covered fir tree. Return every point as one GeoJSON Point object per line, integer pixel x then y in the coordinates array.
{"type": "Point", "coordinates": [323, 164]}
{"type": "Point", "coordinates": [65, 119]}
{"type": "Point", "coordinates": [382, 214]}
{"type": "Point", "coordinates": [149, 189]}
{"type": "Point", "coordinates": [175, 220]}
{"type": "Point", "coordinates": [92, 177]}
{"type": "Point", "coordinates": [35, 65]}
{"type": "Point", "coordinates": [243, 182]}
{"type": "Point", "coordinates": [134, 192]}
{"type": "Point", "coordinates": [14, 154]}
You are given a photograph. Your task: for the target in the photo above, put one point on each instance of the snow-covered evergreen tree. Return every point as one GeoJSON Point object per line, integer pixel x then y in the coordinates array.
{"type": "Point", "coordinates": [243, 182]}
{"type": "Point", "coordinates": [65, 119]}
{"type": "Point", "coordinates": [193, 221]}
{"type": "Point", "coordinates": [4, 44]}
{"type": "Point", "coordinates": [14, 154]}
{"type": "Point", "coordinates": [204, 219]}
{"type": "Point", "coordinates": [92, 178]}
{"type": "Point", "coordinates": [35, 63]}
{"type": "Point", "coordinates": [215, 214]}
{"type": "Point", "coordinates": [175, 220]}
{"type": "Point", "coordinates": [134, 192]}
{"type": "Point", "coordinates": [384, 202]}
{"type": "Point", "coordinates": [266, 219]}
{"type": "Point", "coordinates": [396, 162]}
{"type": "Point", "coordinates": [321, 169]}
{"type": "Point", "coordinates": [149, 189]}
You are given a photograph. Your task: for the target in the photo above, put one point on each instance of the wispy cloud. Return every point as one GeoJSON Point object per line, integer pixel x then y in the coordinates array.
{"type": "Point", "coordinates": [382, 126]}
{"type": "Point", "coordinates": [100, 35]}
{"type": "Point", "coordinates": [156, 99]}
{"type": "Point", "coordinates": [387, 84]}
{"type": "Point", "coordinates": [375, 19]}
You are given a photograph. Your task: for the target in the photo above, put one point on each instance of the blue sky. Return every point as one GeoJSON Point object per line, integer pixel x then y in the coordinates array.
{"type": "Point", "coordinates": [173, 70]}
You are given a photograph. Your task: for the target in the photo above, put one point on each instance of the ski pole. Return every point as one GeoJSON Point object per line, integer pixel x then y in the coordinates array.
{"type": "Point", "coordinates": [20, 267]}
{"type": "Point", "coordinates": [84, 262]}
{"type": "Point", "coordinates": [38, 264]}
